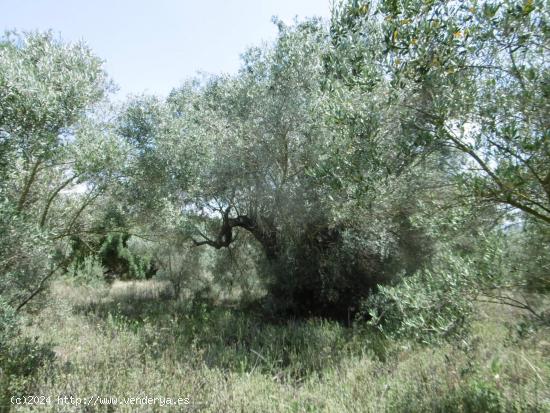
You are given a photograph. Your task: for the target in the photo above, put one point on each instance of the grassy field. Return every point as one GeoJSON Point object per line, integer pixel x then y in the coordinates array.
{"type": "Point", "coordinates": [132, 340]}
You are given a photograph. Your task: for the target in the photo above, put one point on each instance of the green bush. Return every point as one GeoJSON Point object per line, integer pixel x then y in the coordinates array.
{"type": "Point", "coordinates": [20, 357]}
{"type": "Point", "coordinates": [329, 270]}
{"type": "Point", "coordinates": [430, 305]}
{"type": "Point", "coordinates": [88, 271]}
{"type": "Point", "coordinates": [118, 258]}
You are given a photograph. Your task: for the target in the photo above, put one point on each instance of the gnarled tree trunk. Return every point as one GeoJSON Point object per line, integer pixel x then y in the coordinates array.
{"type": "Point", "coordinates": [265, 234]}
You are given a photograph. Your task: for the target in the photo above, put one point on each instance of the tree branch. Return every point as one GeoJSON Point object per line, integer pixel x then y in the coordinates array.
{"type": "Point", "coordinates": [52, 197]}
{"type": "Point", "coordinates": [27, 187]}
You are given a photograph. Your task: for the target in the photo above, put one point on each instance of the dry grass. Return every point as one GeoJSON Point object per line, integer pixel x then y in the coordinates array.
{"type": "Point", "coordinates": [129, 340]}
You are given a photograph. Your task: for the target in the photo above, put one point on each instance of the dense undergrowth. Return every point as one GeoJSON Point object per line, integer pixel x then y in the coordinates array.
{"type": "Point", "coordinates": [130, 339]}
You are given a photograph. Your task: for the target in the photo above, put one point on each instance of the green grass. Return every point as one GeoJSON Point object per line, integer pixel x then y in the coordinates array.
{"type": "Point", "coordinates": [130, 340]}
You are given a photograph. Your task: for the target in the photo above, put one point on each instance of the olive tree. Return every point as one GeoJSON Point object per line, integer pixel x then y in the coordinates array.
{"type": "Point", "coordinates": [56, 156]}
{"type": "Point", "coordinates": [467, 82]}
{"type": "Point", "coordinates": [274, 155]}
{"type": "Point", "coordinates": [470, 76]}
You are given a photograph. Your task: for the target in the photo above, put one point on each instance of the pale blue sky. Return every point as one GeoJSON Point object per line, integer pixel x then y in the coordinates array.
{"type": "Point", "coordinates": [152, 46]}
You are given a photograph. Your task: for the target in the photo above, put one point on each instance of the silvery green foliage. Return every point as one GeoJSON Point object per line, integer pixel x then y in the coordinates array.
{"type": "Point", "coordinates": [245, 141]}
{"type": "Point", "coordinates": [25, 254]}
{"type": "Point", "coordinates": [56, 154]}
{"type": "Point", "coordinates": [315, 166]}
{"type": "Point", "coordinates": [469, 82]}
{"type": "Point", "coordinates": [439, 301]}
{"type": "Point", "coordinates": [469, 77]}
{"type": "Point", "coordinates": [46, 87]}
{"type": "Point", "coordinates": [53, 132]}
{"type": "Point", "coordinates": [264, 142]}
{"type": "Point", "coordinates": [263, 129]}
{"type": "Point", "coordinates": [432, 304]}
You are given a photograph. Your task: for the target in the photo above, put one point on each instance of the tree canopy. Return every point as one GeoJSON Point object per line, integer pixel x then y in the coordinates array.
{"type": "Point", "coordinates": [343, 157]}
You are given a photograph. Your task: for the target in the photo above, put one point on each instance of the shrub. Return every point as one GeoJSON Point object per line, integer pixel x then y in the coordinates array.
{"type": "Point", "coordinates": [121, 260]}
{"type": "Point", "coordinates": [329, 270]}
{"type": "Point", "coordinates": [430, 305]}
{"type": "Point", "coordinates": [20, 357]}
{"type": "Point", "coordinates": [88, 271]}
